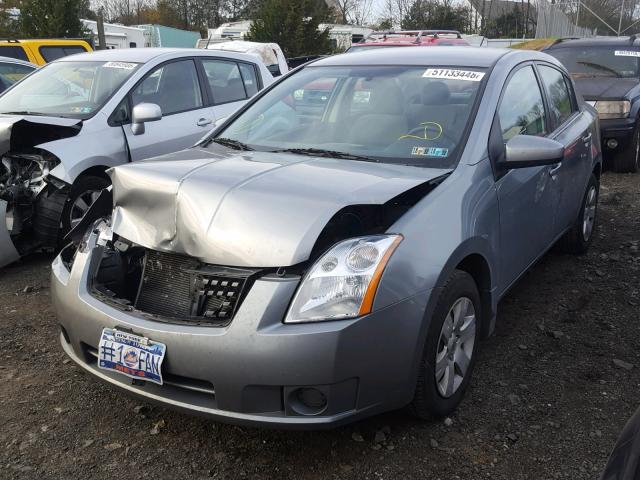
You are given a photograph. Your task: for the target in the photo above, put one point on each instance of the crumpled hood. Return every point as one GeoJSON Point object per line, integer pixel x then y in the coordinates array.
{"type": "Point", "coordinates": [25, 131]}
{"type": "Point", "coordinates": [599, 88]}
{"type": "Point", "coordinates": [254, 209]}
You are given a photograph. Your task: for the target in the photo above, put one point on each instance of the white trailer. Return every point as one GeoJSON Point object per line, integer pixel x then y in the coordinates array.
{"type": "Point", "coordinates": [117, 36]}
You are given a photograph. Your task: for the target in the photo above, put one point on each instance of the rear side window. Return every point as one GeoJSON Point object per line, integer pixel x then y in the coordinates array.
{"type": "Point", "coordinates": [13, 51]}
{"type": "Point", "coordinates": [521, 110]}
{"type": "Point", "coordinates": [558, 92]}
{"type": "Point", "coordinates": [249, 78]}
{"type": "Point", "coordinates": [51, 52]}
{"type": "Point", "coordinates": [225, 81]}
{"type": "Point", "coordinates": [10, 73]}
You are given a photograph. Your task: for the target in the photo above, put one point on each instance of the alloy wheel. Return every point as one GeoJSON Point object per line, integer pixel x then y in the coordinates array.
{"type": "Point", "coordinates": [589, 216]}
{"type": "Point", "coordinates": [81, 205]}
{"type": "Point", "coordinates": [455, 346]}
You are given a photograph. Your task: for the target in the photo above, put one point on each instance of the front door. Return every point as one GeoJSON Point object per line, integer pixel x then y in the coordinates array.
{"type": "Point", "coordinates": [185, 119]}
{"type": "Point", "coordinates": [525, 195]}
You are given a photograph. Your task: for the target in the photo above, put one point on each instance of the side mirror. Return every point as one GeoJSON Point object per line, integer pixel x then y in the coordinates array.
{"type": "Point", "coordinates": [528, 151]}
{"type": "Point", "coordinates": [144, 112]}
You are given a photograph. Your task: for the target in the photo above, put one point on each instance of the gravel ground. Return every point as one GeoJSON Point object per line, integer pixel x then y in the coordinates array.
{"type": "Point", "coordinates": [551, 391]}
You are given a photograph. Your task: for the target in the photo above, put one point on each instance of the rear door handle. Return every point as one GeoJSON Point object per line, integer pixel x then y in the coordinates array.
{"type": "Point", "coordinates": [553, 171]}
{"type": "Point", "coordinates": [203, 122]}
{"type": "Point", "coordinates": [587, 138]}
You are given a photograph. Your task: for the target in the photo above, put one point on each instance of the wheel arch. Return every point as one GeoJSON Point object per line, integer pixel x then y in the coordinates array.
{"type": "Point", "coordinates": [474, 257]}
{"type": "Point", "coordinates": [95, 171]}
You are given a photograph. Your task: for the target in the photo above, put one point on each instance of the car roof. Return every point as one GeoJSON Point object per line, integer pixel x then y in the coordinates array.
{"type": "Point", "coordinates": [136, 55]}
{"type": "Point", "coordinates": [442, 56]}
{"type": "Point", "coordinates": [144, 55]}
{"type": "Point", "coordinates": [595, 42]}
{"type": "Point", "coordinates": [18, 61]}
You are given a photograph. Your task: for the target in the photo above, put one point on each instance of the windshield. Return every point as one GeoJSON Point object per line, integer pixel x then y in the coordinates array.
{"type": "Point", "coordinates": [610, 61]}
{"type": "Point", "coordinates": [394, 114]}
{"type": "Point", "coordinates": [67, 89]}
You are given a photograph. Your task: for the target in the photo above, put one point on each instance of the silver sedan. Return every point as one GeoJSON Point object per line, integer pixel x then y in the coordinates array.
{"type": "Point", "coordinates": [338, 247]}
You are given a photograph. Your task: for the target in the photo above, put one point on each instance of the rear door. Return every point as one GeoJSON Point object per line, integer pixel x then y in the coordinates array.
{"type": "Point", "coordinates": [525, 198]}
{"type": "Point", "coordinates": [229, 83]}
{"type": "Point", "coordinates": [572, 128]}
{"type": "Point", "coordinates": [175, 87]}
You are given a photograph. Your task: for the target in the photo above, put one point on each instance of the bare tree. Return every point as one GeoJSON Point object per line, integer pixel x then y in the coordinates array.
{"type": "Point", "coordinates": [353, 11]}
{"type": "Point", "coordinates": [396, 10]}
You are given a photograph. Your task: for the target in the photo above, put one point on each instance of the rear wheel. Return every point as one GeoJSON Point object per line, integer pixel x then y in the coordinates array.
{"type": "Point", "coordinates": [578, 239]}
{"type": "Point", "coordinates": [82, 194]}
{"type": "Point", "coordinates": [449, 352]}
{"type": "Point", "coordinates": [628, 161]}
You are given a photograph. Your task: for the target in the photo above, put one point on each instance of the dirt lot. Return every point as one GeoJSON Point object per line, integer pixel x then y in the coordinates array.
{"type": "Point", "coordinates": [552, 390]}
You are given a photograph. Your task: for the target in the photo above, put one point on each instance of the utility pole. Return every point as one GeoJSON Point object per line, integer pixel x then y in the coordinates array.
{"type": "Point", "coordinates": [620, 21]}
{"type": "Point", "coordinates": [102, 42]}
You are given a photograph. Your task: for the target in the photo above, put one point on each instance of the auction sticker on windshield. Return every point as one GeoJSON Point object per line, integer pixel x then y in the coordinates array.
{"type": "Point", "coordinates": [131, 355]}
{"type": "Point", "coordinates": [122, 65]}
{"type": "Point", "coordinates": [626, 53]}
{"type": "Point", "coordinates": [453, 74]}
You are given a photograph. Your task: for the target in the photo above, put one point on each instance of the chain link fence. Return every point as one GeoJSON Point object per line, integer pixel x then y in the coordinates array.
{"type": "Point", "coordinates": [553, 22]}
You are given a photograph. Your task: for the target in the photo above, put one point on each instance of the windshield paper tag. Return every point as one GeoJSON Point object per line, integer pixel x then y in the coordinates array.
{"type": "Point", "coordinates": [450, 74]}
{"type": "Point", "coordinates": [123, 65]}
{"type": "Point", "coordinates": [430, 152]}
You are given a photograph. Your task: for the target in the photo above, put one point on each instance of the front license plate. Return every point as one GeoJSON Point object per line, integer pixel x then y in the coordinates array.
{"type": "Point", "coordinates": [131, 355]}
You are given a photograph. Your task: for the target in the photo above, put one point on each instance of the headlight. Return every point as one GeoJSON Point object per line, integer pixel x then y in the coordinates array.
{"type": "Point", "coordinates": [343, 282]}
{"type": "Point", "coordinates": [613, 108]}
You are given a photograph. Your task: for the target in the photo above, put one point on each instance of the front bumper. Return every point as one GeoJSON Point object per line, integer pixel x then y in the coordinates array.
{"type": "Point", "coordinates": [247, 371]}
{"type": "Point", "coordinates": [618, 129]}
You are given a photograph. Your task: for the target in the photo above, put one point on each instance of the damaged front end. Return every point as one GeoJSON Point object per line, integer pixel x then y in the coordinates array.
{"type": "Point", "coordinates": [177, 287]}
{"type": "Point", "coordinates": [30, 206]}
{"type": "Point", "coordinates": [31, 202]}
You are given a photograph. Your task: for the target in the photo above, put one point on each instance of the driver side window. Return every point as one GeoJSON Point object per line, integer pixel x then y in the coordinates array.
{"type": "Point", "coordinates": [521, 110]}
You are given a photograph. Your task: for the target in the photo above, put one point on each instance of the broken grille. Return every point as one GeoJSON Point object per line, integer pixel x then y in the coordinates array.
{"type": "Point", "coordinates": [182, 288]}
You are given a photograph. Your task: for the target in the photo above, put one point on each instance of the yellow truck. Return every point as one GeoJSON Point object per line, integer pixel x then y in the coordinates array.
{"type": "Point", "coordinates": [41, 51]}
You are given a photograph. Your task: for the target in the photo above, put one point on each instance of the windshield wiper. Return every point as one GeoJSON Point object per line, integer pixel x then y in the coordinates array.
{"type": "Point", "coordinates": [231, 143]}
{"type": "Point", "coordinates": [318, 152]}
{"type": "Point", "coordinates": [25, 112]}
{"type": "Point", "coordinates": [600, 67]}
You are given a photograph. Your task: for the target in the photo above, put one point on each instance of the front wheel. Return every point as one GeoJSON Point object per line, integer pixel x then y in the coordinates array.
{"type": "Point", "coordinates": [450, 349]}
{"type": "Point", "coordinates": [578, 238]}
{"type": "Point", "coordinates": [82, 194]}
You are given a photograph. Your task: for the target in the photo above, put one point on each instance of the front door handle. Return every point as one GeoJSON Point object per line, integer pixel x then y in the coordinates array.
{"type": "Point", "coordinates": [203, 122]}
{"type": "Point", "coordinates": [556, 168]}
{"type": "Point", "coordinates": [587, 138]}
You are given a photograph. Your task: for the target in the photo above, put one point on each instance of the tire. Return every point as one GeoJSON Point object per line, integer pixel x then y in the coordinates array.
{"type": "Point", "coordinates": [436, 396]}
{"type": "Point", "coordinates": [578, 238]}
{"type": "Point", "coordinates": [46, 220]}
{"type": "Point", "coordinates": [85, 188]}
{"type": "Point", "coordinates": [628, 161]}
